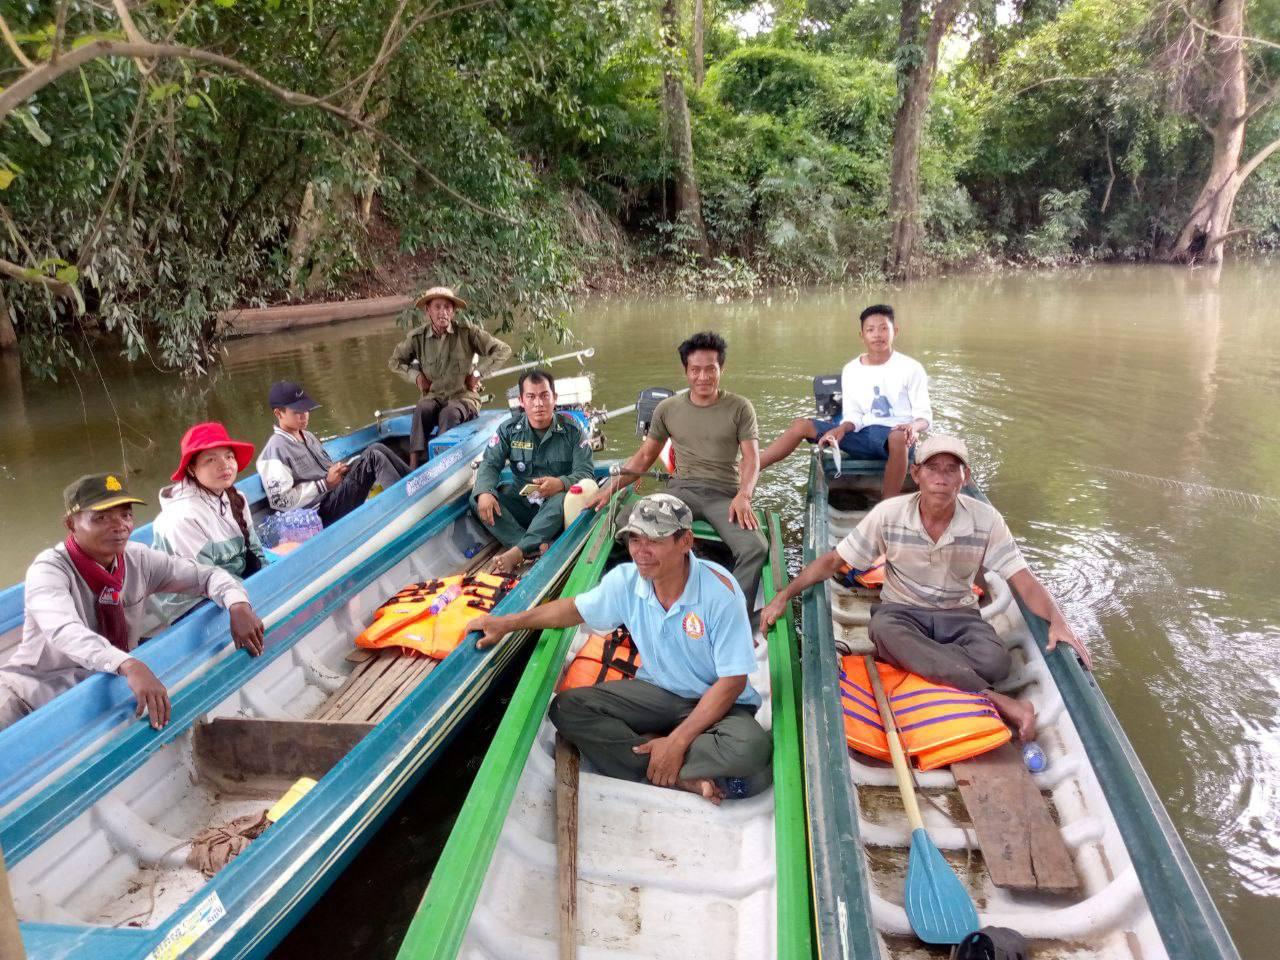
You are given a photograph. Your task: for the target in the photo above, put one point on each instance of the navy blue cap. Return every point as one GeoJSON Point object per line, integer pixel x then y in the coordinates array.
{"type": "Point", "coordinates": [290, 396]}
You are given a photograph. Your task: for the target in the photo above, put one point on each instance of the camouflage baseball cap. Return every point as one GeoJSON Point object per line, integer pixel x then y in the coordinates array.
{"type": "Point", "coordinates": [658, 515]}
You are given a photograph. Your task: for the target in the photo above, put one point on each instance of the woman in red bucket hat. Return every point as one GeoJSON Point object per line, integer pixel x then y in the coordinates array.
{"type": "Point", "coordinates": [202, 515]}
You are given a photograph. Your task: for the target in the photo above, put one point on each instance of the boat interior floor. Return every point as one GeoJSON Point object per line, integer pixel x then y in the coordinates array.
{"type": "Point", "coordinates": [1105, 916]}
{"type": "Point", "coordinates": [123, 860]}
{"type": "Point", "coordinates": [661, 873]}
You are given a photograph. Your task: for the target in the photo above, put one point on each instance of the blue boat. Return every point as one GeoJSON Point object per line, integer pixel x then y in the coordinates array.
{"type": "Point", "coordinates": [98, 855]}
{"type": "Point", "coordinates": [1138, 893]}
{"type": "Point", "coordinates": [45, 744]}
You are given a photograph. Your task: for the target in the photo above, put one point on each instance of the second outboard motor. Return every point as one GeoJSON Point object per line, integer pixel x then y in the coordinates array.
{"type": "Point", "coordinates": [827, 396]}
{"type": "Point", "coordinates": [646, 403]}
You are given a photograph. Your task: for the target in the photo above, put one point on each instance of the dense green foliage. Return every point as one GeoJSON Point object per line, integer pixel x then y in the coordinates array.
{"type": "Point", "coordinates": [516, 147]}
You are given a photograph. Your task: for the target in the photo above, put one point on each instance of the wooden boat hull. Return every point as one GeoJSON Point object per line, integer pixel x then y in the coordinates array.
{"type": "Point", "coordinates": [661, 873]}
{"type": "Point", "coordinates": [47, 741]}
{"type": "Point", "coordinates": [1141, 898]}
{"type": "Point", "coordinates": [113, 815]}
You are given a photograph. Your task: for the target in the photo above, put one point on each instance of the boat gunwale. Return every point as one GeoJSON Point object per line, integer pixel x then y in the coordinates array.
{"type": "Point", "coordinates": [1172, 887]}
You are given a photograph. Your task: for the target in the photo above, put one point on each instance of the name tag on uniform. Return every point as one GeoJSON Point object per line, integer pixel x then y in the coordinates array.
{"type": "Point", "coordinates": [521, 445]}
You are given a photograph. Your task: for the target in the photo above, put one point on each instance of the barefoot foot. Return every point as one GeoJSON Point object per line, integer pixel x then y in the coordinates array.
{"type": "Point", "coordinates": [507, 561]}
{"type": "Point", "coordinates": [704, 787]}
{"type": "Point", "coordinates": [1019, 714]}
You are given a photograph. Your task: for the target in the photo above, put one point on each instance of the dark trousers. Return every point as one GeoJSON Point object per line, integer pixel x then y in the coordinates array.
{"type": "Point", "coordinates": [749, 547]}
{"type": "Point", "coordinates": [432, 412]}
{"type": "Point", "coordinates": [955, 647]}
{"type": "Point", "coordinates": [524, 524]}
{"type": "Point", "coordinates": [605, 721]}
{"type": "Point", "coordinates": [377, 464]}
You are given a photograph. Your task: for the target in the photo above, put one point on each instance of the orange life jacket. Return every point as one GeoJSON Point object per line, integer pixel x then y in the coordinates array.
{"type": "Point", "coordinates": [603, 658]}
{"type": "Point", "coordinates": [431, 617]}
{"type": "Point", "coordinates": [937, 724]}
{"type": "Point", "coordinates": [871, 578]}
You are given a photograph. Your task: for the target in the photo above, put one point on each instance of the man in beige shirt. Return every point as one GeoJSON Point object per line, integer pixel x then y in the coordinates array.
{"type": "Point", "coordinates": [709, 430]}
{"type": "Point", "coordinates": [446, 361]}
{"type": "Point", "coordinates": [935, 543]}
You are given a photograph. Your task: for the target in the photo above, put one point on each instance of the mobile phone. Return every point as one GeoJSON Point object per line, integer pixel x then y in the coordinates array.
{"type": "Point", "coordinates": [528, 490]}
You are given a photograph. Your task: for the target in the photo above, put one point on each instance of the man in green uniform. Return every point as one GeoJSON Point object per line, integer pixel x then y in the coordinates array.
{"type": "Point", "coordinates": [548, 453]}
{"type": "Point", "coordinates": [437, 358]}
{"type": "Point", "coordinates": [717, 450]}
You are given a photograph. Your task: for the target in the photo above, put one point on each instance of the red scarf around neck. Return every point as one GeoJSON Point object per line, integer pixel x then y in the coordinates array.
{"type": "Point", "coordinates": [109, 590]}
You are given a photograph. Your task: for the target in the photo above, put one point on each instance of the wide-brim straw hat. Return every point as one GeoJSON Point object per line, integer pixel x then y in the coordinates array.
{"type": "Point", "coordinates": [440, 293]}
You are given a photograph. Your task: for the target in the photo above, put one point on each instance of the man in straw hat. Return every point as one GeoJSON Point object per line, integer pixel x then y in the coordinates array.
{"type": "Point", "coordinates": [439, 358]}
{"type": "Point", "coordinates": [687, 720]}
{"type": "Point", "coordinates": [935, 542]}
{"type": "Point", "coordinates": [83, 605]}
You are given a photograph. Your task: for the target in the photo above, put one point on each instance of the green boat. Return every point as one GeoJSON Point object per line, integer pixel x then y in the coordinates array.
{"type": "Point", "coordinates": [1139, 896]}
{"type": "Point", "coordinates": [660, 873]}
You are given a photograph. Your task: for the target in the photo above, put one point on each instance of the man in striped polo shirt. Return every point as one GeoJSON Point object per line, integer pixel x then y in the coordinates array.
{"type": "Point", "coordinates": [935, 543]}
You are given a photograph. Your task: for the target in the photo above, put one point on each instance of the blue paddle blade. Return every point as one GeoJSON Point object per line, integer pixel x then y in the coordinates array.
{"type": "Point", "coordinates": [938, 906]}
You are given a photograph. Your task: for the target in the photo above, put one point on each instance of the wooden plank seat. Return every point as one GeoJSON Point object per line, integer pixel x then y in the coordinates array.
{"type": "Point", "coordinates": [380, 680]}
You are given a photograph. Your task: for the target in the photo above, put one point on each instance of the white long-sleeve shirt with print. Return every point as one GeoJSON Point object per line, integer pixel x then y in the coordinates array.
{"type": "Point", "coordinates": [60, 646]}
{"type": "Point", "coordinates": [885, 394]}
{"type": "Point", "coordinates": [293, 471]}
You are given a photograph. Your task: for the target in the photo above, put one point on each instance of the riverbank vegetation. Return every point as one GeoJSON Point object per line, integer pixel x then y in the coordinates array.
{"type": "Point", "coordinates": [164, 160]}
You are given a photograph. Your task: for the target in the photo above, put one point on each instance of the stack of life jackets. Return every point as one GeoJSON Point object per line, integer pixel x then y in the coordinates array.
{"type": "Point", "coordinates": [938, 725]}
{"type": "Point", "coordinates": [603, 658]}
{"type": "Point", "coordinates": [431, 616]}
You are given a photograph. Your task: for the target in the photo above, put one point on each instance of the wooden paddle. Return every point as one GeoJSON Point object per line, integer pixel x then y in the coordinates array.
{"type": "Point", "coordinates": [10, 935]}
{"type": "Point", "coordinates": [567, 761]}
{"type": "Point", "coordinates": [938, 907]}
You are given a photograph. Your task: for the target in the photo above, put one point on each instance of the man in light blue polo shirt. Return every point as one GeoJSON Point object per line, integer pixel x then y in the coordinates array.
{"type": "Point", "coordinates": [688, 719]}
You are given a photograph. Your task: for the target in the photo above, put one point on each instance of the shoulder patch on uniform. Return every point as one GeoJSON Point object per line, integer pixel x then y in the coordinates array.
{"type": "Point", "coordinates": [494, 441]}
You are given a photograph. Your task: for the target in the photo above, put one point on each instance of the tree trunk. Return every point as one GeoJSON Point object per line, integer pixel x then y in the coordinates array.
{"type": "Point", "coordinates": [8, 336]}
{"type": "Point", "coordinates": [699, 31]}
{"type": "Point", "coordinates": [679, 133]}
{"type": "Point", "coordinates": [915, 82]}
{"type": "Point", "coordinates": [1209, 223]}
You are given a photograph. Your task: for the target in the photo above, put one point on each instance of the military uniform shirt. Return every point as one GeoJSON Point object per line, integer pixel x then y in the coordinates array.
{"type": "Point", "coordinates": [447, 360]}
{"type": "Point", "coordinates": [562, 450]}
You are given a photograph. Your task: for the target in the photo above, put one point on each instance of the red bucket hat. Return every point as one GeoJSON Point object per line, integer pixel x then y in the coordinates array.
{"type": "Point", "coordinates": [207, 436]}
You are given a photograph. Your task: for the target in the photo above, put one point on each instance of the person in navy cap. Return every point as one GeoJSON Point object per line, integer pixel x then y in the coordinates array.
{"type": "Point", "coordinates": [297, 472]}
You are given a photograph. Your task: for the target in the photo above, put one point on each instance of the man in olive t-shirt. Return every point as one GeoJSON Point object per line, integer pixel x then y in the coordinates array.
{"type": "Point", "coordinates": [708, 429]}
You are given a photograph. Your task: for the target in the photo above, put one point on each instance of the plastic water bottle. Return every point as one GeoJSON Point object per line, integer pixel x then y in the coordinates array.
{"type": "Point", "coordinates": [316, 523]}
{"type": "Point", "coordinates": [735, 788]}
{"type": "Point", "coordinates": [446, 598]}
{"type": "Point", "coordinates": [285, 524]}
{"type": "Point", "coordinates": [1034, 757]}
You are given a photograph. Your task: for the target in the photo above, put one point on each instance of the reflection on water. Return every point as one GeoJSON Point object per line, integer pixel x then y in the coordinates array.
{"type": "Point", "coordinates": [1082, 395]}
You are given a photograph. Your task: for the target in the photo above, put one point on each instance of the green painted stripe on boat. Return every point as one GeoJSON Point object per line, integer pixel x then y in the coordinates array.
{"type": "Point", "coordinates": [795, 928]}
{"type": "Point", "coordinates": [440, 923]}
{"type": "Point", "coordinates": [842, 907]}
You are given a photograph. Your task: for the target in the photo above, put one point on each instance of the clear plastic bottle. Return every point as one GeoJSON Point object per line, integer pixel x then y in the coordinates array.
{"type": "Point", "coordinates": [1034, 757]}
{"type": "Point", "coordinates": [446, 598]}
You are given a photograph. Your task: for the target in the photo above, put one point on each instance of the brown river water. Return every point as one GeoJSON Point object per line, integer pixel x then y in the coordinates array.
{"type": "Point", "coordinates": [1126, 421]}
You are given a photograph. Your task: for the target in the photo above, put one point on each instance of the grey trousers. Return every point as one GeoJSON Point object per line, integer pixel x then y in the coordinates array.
{"type": "Point", "coordinates": [431, 412]}
{"type": "Point", "coordinates": [521, 523]}
{"type": "Point", "coordinates": [605, 721]}
{"type": "Point", "coordinates": [955, 647]}
{"type": "Point", "coordinates": [12, 707]}
{"type": "Point", "coordinates": [749, 547]}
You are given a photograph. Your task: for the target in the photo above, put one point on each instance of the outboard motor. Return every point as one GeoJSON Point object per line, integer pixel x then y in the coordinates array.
{"type": "Point", "coordinates": [646, 403]}
{"type": "Point", "coordinates": [827, 396]}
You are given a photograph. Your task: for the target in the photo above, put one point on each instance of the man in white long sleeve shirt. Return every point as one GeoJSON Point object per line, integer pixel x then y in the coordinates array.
{"type": "Point", "coordinates": [885, 405]}
{"type": "Point", "coordinates": [84, 605]}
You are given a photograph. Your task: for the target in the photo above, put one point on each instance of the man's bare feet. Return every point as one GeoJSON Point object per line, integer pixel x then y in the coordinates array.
{"type": "Point", "coordinates": [705, 788]}
{"type": "Point", "coordinates": [1019, 714]}
{"type": "Point", "coordinates": [543, 547]}
{"type": "Point", "coordinates": [507, 561]}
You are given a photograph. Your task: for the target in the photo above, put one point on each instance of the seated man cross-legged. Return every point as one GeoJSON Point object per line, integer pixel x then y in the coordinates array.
{"type": "Point", "coordinates": [885, 399]}
{"type": "Point", "coordinates": [546, 450]}
{"type": "Point", "coordinates": [688, 719]}
{"type": "Point", "coordinates": [935, 543]}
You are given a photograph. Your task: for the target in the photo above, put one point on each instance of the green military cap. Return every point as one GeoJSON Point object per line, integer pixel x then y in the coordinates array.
{"type": "Point", "coordinates": [658, 515]}
{"type": "Point", "coordinates": [97, 491]}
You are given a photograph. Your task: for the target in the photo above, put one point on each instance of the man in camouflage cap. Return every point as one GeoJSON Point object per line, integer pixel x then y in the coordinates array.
{"type": "Point", "coordinates": [687, 720]}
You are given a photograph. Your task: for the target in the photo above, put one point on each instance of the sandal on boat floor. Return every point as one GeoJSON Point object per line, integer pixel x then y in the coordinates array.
{"type": "Point", "coordinates": [992, 943]}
